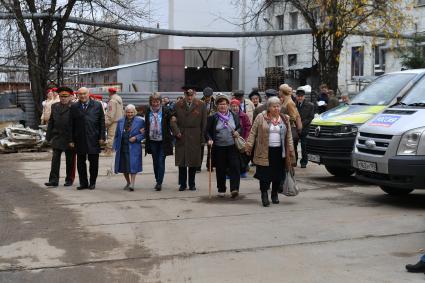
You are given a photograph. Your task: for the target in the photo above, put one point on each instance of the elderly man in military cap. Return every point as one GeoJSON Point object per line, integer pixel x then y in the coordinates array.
{"type": "Point", "coordinates": [188, 124]}
{"type": "Point", "coordinates": [59, 135]}
{"type": "Point", "coordinates": [246, 105]}
{"type": "Point", "coordinates": [114, 112]}
{"type": "Point", "coordinates": [209, 101]}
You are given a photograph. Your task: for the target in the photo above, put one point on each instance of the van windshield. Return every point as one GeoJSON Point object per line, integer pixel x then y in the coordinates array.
{"type": "Point", "coordinates": [382, 90]}
{"type": "Point", "coordinates": [416, 96]}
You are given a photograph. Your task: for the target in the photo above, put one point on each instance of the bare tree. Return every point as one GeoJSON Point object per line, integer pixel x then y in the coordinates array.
{"type": "Point", "coordinates": [45, 45]}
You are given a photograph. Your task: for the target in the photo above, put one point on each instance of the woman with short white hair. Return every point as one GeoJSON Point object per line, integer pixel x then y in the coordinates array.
{"type": "Point", "coordinates": [271, 139]}
{"type": "Point", "coordinates": [127, 145]}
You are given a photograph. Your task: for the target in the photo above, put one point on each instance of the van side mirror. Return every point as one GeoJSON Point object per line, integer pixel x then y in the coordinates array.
{"type": "Point", "coordinates": [399, 98]}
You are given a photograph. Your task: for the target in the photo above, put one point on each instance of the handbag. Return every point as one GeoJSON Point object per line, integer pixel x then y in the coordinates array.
{"type": "Point", "coordinates": [240, 143]}
{"type": "Point", "coordinates": [290, 188]}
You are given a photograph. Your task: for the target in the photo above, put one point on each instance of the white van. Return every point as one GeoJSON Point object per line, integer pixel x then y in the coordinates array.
{"type": "Point", "coordinates": [390, 148]}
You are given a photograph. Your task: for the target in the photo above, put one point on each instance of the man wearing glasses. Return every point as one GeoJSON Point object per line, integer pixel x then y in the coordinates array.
{"type": "Point", "coordinates": [88, 134]}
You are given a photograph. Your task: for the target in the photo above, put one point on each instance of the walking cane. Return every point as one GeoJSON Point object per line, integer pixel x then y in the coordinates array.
{"type": "Point", "coordinates": [209, 171]}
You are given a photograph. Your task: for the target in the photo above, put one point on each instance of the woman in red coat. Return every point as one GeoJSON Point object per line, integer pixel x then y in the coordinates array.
{"type": "Point", "coordinates": [246, 128]}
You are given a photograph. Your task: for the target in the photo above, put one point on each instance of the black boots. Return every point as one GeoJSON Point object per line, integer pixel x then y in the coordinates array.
{"type": "Point", "coordinates": [265, 198]}
{"type": "Point", "coordinates": [419, 267]}
{"type": "Point", "coordinates": [274, 196]}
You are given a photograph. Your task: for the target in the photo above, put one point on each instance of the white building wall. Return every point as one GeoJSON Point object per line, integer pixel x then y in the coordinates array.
{"type": "Point", "coordinates": [302, 46]}
{"type": "Point", "coordinates": [215, 15]}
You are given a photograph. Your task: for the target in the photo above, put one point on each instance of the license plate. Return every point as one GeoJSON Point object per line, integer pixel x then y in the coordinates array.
{"type": "Point", "coordinates": [366, 166]}
{"type": "Point", "coordinates": [313, 157]}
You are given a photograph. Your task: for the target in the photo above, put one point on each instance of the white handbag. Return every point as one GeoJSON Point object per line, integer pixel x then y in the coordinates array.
{"type": "Point", "coordinates": [290, 188]}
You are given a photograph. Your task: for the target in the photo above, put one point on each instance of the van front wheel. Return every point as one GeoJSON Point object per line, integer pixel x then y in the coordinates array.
{"type": "Point", "coordinates": [340, 171]}
{"type": "Point", "coordinates": [396, 191]}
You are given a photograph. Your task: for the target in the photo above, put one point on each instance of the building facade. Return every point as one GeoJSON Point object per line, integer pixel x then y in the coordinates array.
{"type": "Point", "coordinates": [362, 58]}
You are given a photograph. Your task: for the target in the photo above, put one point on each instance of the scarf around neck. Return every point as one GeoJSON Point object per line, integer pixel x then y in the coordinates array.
{"type": "Point", "coordinates": [155, 131]}
{"type": "Point", "coordinates": [224, 118]}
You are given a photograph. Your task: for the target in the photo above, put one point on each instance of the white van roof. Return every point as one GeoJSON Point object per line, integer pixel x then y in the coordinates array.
{"type": "Point", "coordinates": [410, 71]}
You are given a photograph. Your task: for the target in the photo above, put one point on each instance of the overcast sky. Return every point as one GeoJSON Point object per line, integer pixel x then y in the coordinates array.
{"type": "Point", "coordinates": [158, 11]}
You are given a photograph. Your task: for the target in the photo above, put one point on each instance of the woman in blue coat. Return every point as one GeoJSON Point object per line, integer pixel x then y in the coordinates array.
{"type": "Point", "coordinates": [128, 147]}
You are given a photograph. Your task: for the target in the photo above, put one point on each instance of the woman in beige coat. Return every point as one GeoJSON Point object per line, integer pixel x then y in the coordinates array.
{"type": "Point", "coordinates": [271, 139]}
{"type": "Point", "coordinates": [285, 95]}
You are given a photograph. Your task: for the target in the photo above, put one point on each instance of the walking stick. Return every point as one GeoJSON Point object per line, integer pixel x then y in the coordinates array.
{"type": "Point", "coordinates": [209, 171]}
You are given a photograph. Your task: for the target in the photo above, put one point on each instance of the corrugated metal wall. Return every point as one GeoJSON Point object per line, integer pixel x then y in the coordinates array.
{"type": "Point", "coordinates": [142, 78]}
{"type": "Point", "coordinates": [25, 101]}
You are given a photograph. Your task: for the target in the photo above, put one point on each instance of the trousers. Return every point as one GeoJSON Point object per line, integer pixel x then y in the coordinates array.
{"type": "Point", "coordinates": [158, 158]}
{"type": "Point", "coordinates": [303, 141]}
{"type": "Point", "coordinates": [227, 160]}
{"type": "Point", "coordinates": [56, 163]}
{"type": "Point", "coordinates": [82, 168]}
{"type": "Point", "coordinates": [110, 136]}
{"type": "Point", "coordinates": [183, 176]}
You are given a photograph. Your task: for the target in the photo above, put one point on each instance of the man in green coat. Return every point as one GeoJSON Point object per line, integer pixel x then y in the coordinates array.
{"type": "Point", "coordinates": [188, 125]}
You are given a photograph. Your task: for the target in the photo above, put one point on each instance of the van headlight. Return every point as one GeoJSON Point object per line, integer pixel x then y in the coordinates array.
{"type": "Point", "coordinates": [410, 142]}
{"type": "Point", "coordinates": [348, 130]}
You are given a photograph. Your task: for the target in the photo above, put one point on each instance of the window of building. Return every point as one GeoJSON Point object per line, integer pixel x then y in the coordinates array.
{"type": "Point", "coordinates": [379, 58]}
{"type": "Point", "coordinates": [421, 2]}
{"type": "Point", "coordinates": [317, 15]}
{"type": "Point", "coordinates": [279, 60]}
{"type": "Point", "coordinates": [106, 79]}
{"type": "Point", "coordinates": [294, 20]}
{"type": "Point", "coordinates": [292, 59]}
{"type": "Point", "coordinates": [357, 61]}
{"type": "Point", "coordinates": [280, 23]}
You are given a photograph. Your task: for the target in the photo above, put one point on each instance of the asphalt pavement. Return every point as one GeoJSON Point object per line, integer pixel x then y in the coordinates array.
{"type": "Point", "coordinates": [335, 230]}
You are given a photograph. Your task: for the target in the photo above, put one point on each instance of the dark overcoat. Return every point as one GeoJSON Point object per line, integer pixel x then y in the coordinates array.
{"type": "Point", "coordinates": [306, 110]}
{"type": "Point", "coordinates": [88, 127]}
{"type": "Point", "coordinates": [167, 138]}
{"type": "Point", "coordinates": [135, 148]}
{"type": "Point", "coordinates": [190, 122]}
{"type": "Point", "coordinates": [59, 129]}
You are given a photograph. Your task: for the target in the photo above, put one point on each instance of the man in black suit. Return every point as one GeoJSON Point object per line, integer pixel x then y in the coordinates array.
{"type": "Point", "coordinates": [58, 134]}
{"type": "Point", "coordinates": [88, 133]}
{"type": "Point", "coordinates": [306, 110]}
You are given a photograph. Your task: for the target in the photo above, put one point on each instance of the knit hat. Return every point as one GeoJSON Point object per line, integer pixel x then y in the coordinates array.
{"type": "Point", "coordinates": [235, 101]}
{"type": "Point", "coordinates": [254, 93]}
{"type": "Point", "coordinates": [220, 96]}
{"type": "Point", "coordinates": [208, 91]}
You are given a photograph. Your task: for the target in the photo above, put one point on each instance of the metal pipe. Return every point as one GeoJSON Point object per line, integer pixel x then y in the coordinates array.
{"type": "Point", "coordinates": [56, 17]}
